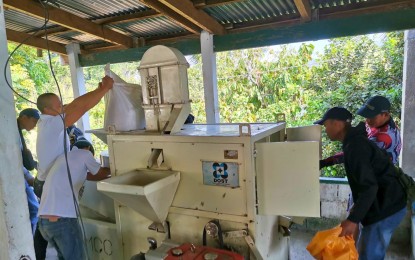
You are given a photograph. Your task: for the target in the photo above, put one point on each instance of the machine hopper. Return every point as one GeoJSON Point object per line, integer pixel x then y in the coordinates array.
{"type": "Point", "coordinates": [149, 192]}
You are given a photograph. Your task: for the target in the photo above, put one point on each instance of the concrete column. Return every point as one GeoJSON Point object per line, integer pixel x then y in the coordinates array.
{"type": "Point", "coordinates": [15, 229]}
{"type": "Point", "coordinates": [78, 83]}
{"type": "Point", "coordinates": [210, 82]}
{"type": "Point", "coordinates": [408, 106]}
{"type": "Point", "coordinates": [407, 161]}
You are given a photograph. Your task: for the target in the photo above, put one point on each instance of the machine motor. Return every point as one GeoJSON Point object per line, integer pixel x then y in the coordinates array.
{"type": "Point", "coordinates": [191, 252]}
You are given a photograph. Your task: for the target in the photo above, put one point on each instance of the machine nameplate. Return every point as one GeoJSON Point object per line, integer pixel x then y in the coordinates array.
{"type": "Point", "coordinates": [220, 173]}
{"type": "Point", "coordinates": [230, 154]}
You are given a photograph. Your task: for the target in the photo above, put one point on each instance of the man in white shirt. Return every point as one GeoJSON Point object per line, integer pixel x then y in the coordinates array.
{"type": "Point", "coordinates": [51, 131]}
{"type": "Point", "coordinates": [58, 221]}
{"type": "Point", "coordinates": [54, 120]}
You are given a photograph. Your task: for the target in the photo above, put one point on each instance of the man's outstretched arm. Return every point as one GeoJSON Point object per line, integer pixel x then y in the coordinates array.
{"type": "Point", "coordinates": [79, 106]}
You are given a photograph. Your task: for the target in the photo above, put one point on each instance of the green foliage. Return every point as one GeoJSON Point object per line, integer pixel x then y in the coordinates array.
{"type": "Point", "coordinates": [255, 85]}
{"type": "Point", "coordinates": [31, 76]}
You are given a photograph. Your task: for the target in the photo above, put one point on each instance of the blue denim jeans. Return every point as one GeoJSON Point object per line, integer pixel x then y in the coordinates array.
{"type": "Point", "coordinates": [65, 235]}
{"type": "Point", "coordinates": [33, 206]}
{"type": "Point", "coordinates": [374, 239]}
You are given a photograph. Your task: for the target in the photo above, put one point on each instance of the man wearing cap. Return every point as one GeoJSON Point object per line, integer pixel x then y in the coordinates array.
{"type": "Point", "coordinates": [379, 199]}
{"type": "Point", "coordinates": [58, 221]}
{"type": "Point", "coordinates": [27, 120]}
{"type": "Point", "coordinates": [380, 128]}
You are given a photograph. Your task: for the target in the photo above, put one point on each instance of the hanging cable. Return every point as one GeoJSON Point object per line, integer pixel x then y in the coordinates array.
{"type": "Point", "coordinates": [44, 4]}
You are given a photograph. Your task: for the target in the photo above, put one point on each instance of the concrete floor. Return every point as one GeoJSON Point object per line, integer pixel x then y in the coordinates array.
{"type": "Point", "coordinates": [300, 239]}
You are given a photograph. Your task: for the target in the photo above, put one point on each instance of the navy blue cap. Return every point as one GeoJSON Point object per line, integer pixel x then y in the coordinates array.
{"type": "Point", "coordinates": [338, 113]}
{"type": "Point", "coordinates": [30, 112]}
{"type": "Point", "coordinates": [374, 106]}
{"type": "Point", "coordinates": [190, 118]}
{"type": "Point", "coordinates": [83, 143]}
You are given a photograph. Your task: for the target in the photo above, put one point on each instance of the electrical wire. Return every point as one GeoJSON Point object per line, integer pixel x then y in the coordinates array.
{"type": "Point", "coordinates": [65, 136]}
{"type": "Point", "coordinates": [44, 4]}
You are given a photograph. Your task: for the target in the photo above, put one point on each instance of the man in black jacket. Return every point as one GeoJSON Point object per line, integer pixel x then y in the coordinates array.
{"type": "Point", "coordinates": [379, 199]}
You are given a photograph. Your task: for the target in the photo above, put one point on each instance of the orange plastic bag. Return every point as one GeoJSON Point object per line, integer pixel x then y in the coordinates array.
{"type": "Point", "coordinates": [327, 245]}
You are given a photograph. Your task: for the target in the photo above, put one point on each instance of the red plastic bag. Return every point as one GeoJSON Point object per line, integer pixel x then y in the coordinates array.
{"type": "Point", "coordinates": [327, 245]}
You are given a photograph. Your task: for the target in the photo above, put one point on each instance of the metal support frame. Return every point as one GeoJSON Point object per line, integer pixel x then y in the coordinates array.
{"type": "Point", "coordinates": [210, 83]}
{"type": "Point", "coordinates": [78, 83]}
{"type": "Point", "coordinates": [16, 234]}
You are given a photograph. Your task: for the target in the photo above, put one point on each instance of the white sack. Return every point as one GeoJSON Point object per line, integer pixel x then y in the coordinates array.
{"type": "Point", "coordinates": [123, 105]}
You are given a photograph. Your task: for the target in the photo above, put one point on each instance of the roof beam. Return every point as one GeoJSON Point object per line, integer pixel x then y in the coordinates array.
{"type": "Point", "coordinates": [314, 30]}
{"type": "Point", "coordinates": [34, 41]}
{"type": "Point", "coordinates": [206, 3]}
{"type": "Point", "coordinates": [175, 17]}
{"type": "Point", "coordinates": [105, 21]}
{"type": "Point", "coordinates": [362, 8]}
{"type": "Point", "coordinates": [51, 31]}
{"type": "Point", "coordinates": [186, 9]}
{"type": "Point", "coordinates": [289, 20]}
{"type": "Point", "coordinates": [304, 9]}
{"type": "Point", "coordinates": [70, 21]}
{"type": "Point", "coordinates": [147, 14]}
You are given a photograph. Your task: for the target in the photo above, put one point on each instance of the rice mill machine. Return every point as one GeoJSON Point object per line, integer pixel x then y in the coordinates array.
{"type": "Point", "coordinates": [199, 191]}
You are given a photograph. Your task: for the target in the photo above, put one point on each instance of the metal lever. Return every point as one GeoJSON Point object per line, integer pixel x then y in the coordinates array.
{"type": "Point", "coordinates": [153, 243]}
{"type": "Point", "coordinates": [155, 158]}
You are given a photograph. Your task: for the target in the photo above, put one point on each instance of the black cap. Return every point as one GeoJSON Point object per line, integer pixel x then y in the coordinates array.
{"type": "Point", "coordinates": [30, 112]}
{"type": "Point", "coordinates": [190, 118]}
{"type": "Point", "coordinates": [338, 113]}
{"type": "Point", "coordinates": [374, 106]}
{"type": "Point", "coordinates": [83, 143]}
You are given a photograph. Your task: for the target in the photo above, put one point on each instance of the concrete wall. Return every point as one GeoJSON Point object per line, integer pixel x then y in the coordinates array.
{"type": "Point", "coordinates": [333, 201]}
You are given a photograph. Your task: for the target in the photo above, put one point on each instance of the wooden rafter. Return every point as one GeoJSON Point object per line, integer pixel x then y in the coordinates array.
{"type": "Point", "coordinates": [365, 8]}
{"type": "Point", "coordinates": [199, 4]}
{"type": "Point", "coordinates": [51, 31]}
{"type": "Point", "coordinates": [175, 17]}
{"type": "Point", "coordinates": [304, 8]}
{"type": "Point", "coordinates": [185, 15]}
{"type": "Point", "coordinates": [327, 14]}
{"type": "Point", "coordinates": [34, 41]}
{"type": "Point", "coordinates": [186, 9]}
{"type": "Point", "coordinates": [70, 21]}
{"type": "Point", "coordinates": [210, 3]}
{"type": "Point", "coordinates": [291, 20]}
{"type": "Point", "coordinates": [106, 21]}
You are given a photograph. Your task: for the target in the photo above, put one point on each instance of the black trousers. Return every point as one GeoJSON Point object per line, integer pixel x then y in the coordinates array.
{"type": "Point", "coordinates": [40, 243]}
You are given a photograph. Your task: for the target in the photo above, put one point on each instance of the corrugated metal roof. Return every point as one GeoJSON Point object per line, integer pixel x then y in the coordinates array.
{"type": "Point", "coordinates": [22, 22]}
{"type": "Point", "coordinates": [93, 9]}
{"type": "Point", "coordinates": [251, 10]}
{"type": "Point", "coordinates": [316, 4]}
{"type": "Point", "coordinates": [151, 27]}
{"type": "Point", "coordinates": [244, 14]}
